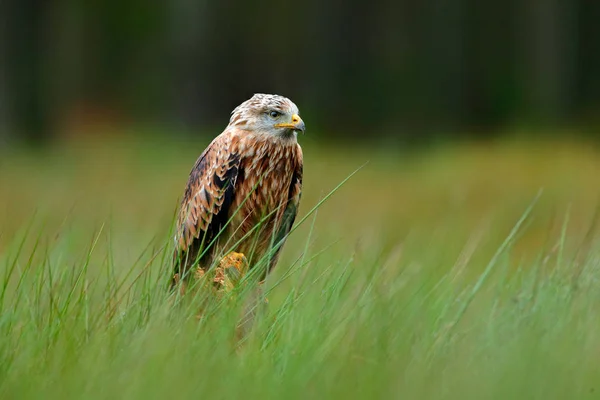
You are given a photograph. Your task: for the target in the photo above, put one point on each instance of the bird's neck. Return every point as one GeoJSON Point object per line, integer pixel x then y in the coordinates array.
{"type": "Point", "coordinates": [284, 139]}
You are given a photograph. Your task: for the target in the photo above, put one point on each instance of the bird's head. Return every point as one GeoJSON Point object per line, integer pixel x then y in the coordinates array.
{"type": "Point", "coordinates": [268, 114]}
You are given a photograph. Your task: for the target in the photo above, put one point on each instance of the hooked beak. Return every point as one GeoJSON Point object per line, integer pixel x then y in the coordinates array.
{"type": "Point", "coordinates": [296, 125]}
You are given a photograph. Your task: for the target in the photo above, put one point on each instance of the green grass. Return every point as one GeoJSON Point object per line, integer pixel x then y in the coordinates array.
{"type": "Point", "coordinates": [467, 272]}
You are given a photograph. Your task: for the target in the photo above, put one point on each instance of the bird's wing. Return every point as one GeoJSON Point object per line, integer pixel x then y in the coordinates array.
{"type": "Point", "coordinates": [291, 209]}
{"type": "Point", "coordinates": [208, 196]}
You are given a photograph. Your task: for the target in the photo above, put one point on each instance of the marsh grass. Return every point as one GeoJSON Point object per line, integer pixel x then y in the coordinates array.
{"type": "Point", "coordinates": [465, 304]}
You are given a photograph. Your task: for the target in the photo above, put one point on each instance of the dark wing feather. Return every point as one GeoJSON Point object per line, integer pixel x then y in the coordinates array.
{"type": "Point", "coordinates": [291, 209]}
{"type": "Point", "coordinates": [205, 206]}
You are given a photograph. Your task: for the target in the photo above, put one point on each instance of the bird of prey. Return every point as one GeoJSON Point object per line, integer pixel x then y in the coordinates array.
{"type": "Point", "coordinates": [243, 193]}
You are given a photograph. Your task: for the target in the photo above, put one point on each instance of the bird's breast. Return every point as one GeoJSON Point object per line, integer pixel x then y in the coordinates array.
{"type": "Point", "coordinates": [266, 176]}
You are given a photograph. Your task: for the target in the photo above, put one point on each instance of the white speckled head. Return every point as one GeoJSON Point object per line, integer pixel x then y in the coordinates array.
{"type": "Point", "coordinates": [269, 114]}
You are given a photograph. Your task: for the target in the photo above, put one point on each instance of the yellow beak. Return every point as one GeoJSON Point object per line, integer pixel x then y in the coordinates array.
{"type": "Point", "coordinates": [297, 124]}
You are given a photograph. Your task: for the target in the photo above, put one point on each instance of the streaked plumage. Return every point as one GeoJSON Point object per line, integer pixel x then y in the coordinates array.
{"type": "Point", "coordinates": [251, 172]}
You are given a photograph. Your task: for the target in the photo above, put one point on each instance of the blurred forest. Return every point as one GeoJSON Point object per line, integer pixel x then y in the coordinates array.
{"type": "Point", "coordinates": [401, 69]}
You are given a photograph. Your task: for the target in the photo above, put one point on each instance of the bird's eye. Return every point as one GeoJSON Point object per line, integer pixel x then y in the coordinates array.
{"type": "Point", "coordinates": [274, 114]}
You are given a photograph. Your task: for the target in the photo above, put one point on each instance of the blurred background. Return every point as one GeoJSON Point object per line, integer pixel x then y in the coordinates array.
{"type": "Point", "coordinates": [392, 71]}
{"type": "Point", "coordinates": [462, 109]}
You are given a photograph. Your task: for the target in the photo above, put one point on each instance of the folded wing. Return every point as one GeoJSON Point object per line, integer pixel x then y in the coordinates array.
{"type": "Point", "coordinates": [206, 203]}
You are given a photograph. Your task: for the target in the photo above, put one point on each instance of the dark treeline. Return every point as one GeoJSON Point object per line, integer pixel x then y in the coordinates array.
{"type": "Point", "coordinates": [386, 67]}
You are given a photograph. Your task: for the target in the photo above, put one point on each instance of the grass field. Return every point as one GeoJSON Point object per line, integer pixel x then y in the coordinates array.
{"type": "Point", "coordinates": [468, 271]}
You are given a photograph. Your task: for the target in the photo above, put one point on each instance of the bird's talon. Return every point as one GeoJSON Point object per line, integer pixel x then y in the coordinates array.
{"type": "Point", "coordinates": [233, 274]}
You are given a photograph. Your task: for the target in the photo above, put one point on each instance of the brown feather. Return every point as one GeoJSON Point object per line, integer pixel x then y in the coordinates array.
{"type": "Point", "coordinates": [257, 176]}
